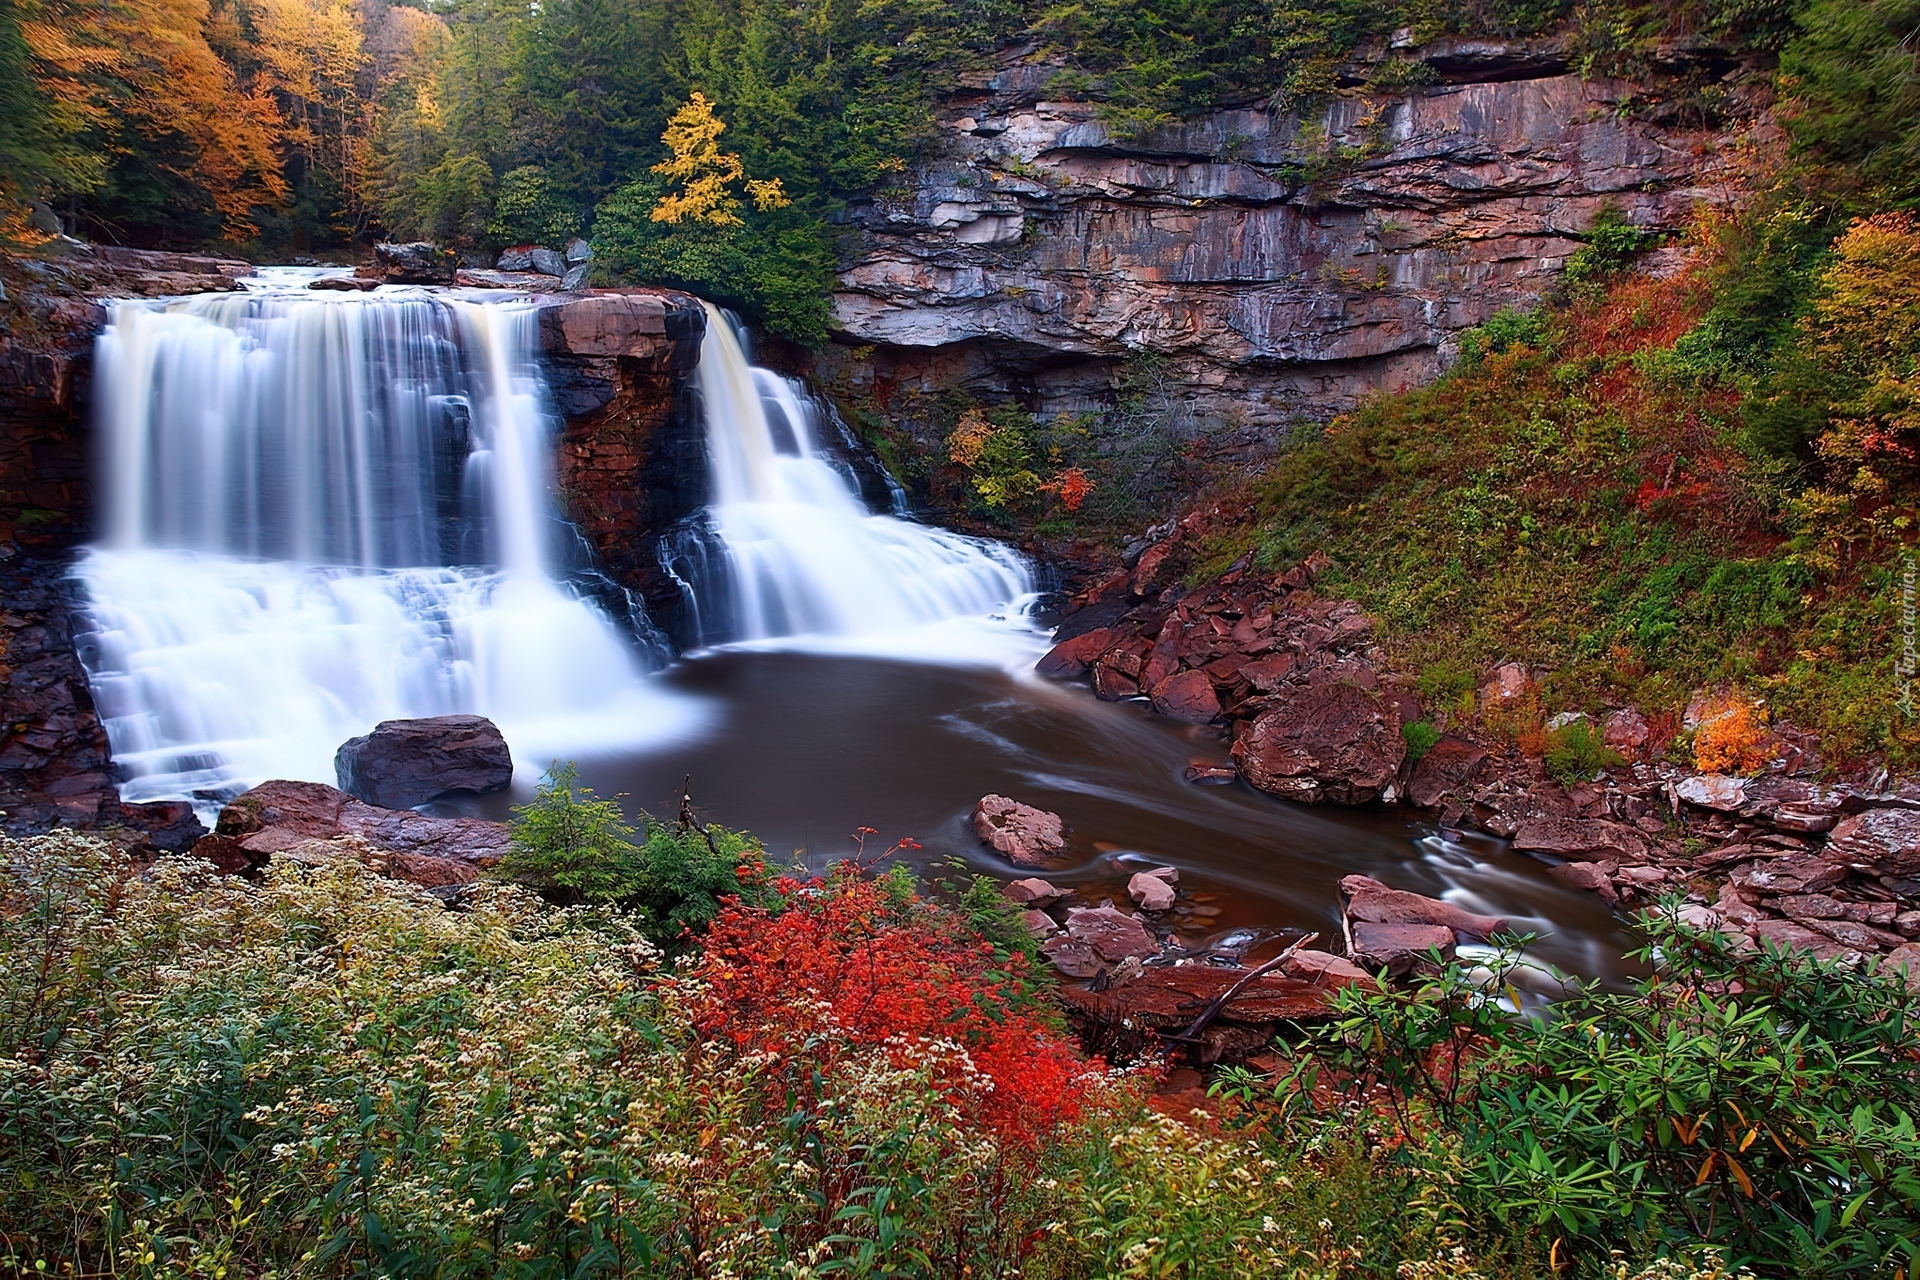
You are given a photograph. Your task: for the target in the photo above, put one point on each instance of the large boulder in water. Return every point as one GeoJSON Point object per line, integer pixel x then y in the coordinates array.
{"type": "Point", "coordinates": [416, 262]}
{"type": "Point", "coordinates": [403, 763]}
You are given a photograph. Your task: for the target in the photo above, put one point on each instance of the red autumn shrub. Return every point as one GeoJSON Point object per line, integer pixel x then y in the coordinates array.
{"type": "Point", "coordinates": [849, 968]}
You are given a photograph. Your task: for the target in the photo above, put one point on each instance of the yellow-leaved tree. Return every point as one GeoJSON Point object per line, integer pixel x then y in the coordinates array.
{"type": "Point", "coordinates": [704, 175]}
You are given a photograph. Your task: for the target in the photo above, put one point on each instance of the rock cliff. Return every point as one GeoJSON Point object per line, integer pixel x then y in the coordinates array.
{"type": "Point", "coordinates": [1282, 261]}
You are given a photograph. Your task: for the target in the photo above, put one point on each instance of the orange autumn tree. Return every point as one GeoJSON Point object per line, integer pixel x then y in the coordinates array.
{"type": "Point", "coordinates": [705, 175]}
{"type": "Point", "coordinates": [139, 78]}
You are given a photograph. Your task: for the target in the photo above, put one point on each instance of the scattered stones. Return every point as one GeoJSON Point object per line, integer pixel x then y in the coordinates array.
{"type": "Point", "coordinates": [403, 763]}
{"type": "Point", "coordinates": [1026, 835]}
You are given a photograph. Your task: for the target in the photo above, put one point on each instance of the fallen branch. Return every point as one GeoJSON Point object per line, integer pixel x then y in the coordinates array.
{"type": "Point", "coordinates": [1219, 1002]}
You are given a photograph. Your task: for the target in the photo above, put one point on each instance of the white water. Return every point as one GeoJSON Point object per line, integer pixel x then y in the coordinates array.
{"type": "Point", "coordinates": [300, 542]}
{"type": "Point", "coordinates": [806, 564]}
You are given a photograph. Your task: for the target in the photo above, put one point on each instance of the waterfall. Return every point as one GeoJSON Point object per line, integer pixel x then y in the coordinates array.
{"type": "Point", "coordinates": [325, 510]}
{"type": "Point", "coordinates": [798, 553]}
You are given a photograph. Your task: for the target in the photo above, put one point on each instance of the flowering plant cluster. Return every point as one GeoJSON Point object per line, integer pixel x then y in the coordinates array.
{"type": "Point", "coordinates": [855, 965]}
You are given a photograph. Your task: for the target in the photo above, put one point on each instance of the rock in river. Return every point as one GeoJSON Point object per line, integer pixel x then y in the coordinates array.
{"type": "Point", "coordinates": [403, 763]}
{"type": "Point", "coordinates": [1027, 835]}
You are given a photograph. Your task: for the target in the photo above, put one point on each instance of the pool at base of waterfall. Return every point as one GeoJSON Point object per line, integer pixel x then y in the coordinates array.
{"type": "Point", "coordinates": [802, 748]}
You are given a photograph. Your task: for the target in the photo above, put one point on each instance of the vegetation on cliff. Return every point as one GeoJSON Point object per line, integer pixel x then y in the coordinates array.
{"type": "Point", "coordinates": [296, 125]}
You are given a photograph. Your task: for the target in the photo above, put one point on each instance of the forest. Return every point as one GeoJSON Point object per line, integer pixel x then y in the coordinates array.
{"type": "Point", "coordinates": [280, 128]}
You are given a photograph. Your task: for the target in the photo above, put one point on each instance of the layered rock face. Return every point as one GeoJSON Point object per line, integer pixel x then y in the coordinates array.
{"type": "Point", "coordinates": [1283, 263]}
{"type": "Point", "coordinates": [631, 458]}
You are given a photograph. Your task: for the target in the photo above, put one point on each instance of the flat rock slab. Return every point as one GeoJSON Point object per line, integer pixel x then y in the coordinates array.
{"type": "Point", "coordinates": [1399, 948]}
{"type": "Point", "coordinates": [403, 763]}
{"type": "Point", "coordinates": [1331, 744]}
{"type": "Point", "coordinates": [1128, 1016]}
{"type": "Point", "coordinates": [280, 816]}
{"type": "Point", "coordinates": [1026, 835]}
{"type": "Point", "coordinates": [1885, 842]}
{"type": "Point", "coordinates": [1370, 902]}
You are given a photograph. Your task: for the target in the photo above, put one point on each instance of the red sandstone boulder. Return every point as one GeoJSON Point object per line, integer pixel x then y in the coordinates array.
{"type": "Point", "coordinates": [1113, 935]}
{"type": "Point", "coordinates": [1153, 890]}
{"type": "Point", "coordinates": [1447, 767]}
{"type": "Point", "coordinates": [1188, 696]}
{"type": "Point", "coordinates": [1370, 902]}
{"type": "Point", "coordinates": [1027, 835]}
{"type": "Point", "coordinates": [1333, 744]}
{"type": "Point", "coordinates": [1400, 948]}
{"type": "Point", "coordinates": [1323, 968]}
{"type": "Point", "coordinates": [1590, 876]}
{"type": "Point", "coordinates": [1035, 891]}
{"type": "Point", "coordinates": [1071, 658]}
{"type": "Point", "coordinates": [1071, 956]}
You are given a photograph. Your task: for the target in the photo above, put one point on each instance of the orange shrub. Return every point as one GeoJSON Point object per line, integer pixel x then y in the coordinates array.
{"type": "Point", "coordinates": [1732, 737]}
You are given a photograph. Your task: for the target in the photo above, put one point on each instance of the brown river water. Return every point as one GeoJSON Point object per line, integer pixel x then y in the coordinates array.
{"type": "Point", "coordinates": [803, 748]}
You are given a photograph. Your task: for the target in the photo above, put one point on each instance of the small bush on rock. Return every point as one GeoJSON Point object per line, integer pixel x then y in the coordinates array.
{"type": "Point", "coordinates": [1576, 751]}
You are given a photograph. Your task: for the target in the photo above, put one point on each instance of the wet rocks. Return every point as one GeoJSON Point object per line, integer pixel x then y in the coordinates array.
{"type": "Point", "coordinates": [403, 763]}
{"type": "Point", "coordinates": [1398, 949]}
{"type": "Point", "coordinates": [1153, 890]}
{"type": "Point", "coordinates": [1323, 968]}
{"type": "Point", "coordinates": [1333, 744]}
{"type": "Point", "coordinates": [1187, 696]}
{"type": "Point", "coordinates": [1141, 1009]}
{"type": "Point", "coordinates": [1035, 891]}
{"type": "Point", "coordinates": [1026, 835]}
{"type": "Point", "coordinates": [1111, 934]}
{"type": "Point", "coordinates": [1370, 902]}
{"type": "Point", "coordinates": [415, 262]}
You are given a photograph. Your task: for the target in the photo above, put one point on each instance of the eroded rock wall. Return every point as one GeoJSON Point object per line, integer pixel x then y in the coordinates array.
{"type": "Point", "coordinates": [1284, 263]}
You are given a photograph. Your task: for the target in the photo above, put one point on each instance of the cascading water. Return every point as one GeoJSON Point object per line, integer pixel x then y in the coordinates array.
{"type": "Point", "coordinates": [325, 511]}
{"type": "Point", "coordinates": [787, 549]}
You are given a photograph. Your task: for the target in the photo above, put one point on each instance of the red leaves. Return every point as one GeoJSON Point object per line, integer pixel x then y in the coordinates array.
{"type": "Point", "coordinates": [844, 971]}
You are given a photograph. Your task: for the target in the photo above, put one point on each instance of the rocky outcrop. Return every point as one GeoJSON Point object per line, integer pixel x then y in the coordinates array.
{"type": "Point", "coordinates": [1142, 1010]}
{"type": "Point", "coordinates": [1281, 260]}
{"type": "Point", "coordinates": [414, 262]}
{"type": "Point", "coordinates": [631, 457]}
{"type": "Point", "coordinates": [279, 817]}
{"type": "Point", "coordinates": [403, 763]}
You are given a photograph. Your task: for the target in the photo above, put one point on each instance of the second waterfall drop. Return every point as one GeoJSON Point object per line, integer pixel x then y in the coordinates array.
{"type": "Point", "coordinates": [803, 555]}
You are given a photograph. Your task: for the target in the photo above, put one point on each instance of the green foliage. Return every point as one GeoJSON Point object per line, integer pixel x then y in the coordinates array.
{"type": "Point", "coordinates": [1610, 243]}
{"type": "Point", "coordinates": [326, 1073]}
{"type": "Point", "coordinates": [1445, 682]}
{"type": "Point", "coordinates": [1504, 330]}
{"type": "Point", "coordinates": [1576, 752]}
{"type": "Point", "coordinates": [1760, 1101]}
{"type": "Point", "coordinates": [776, 268]}
{"type": "Point", "coordinates": [1421, 735]}
{"type": "Point", "coordinates": [527, 210]}
{"type": "Point", "coordinates": [451, 202]}
{"type": "Point", "coordinates": [570, 845]}
{"type": "Point", "coordinates": [1856, 94]}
